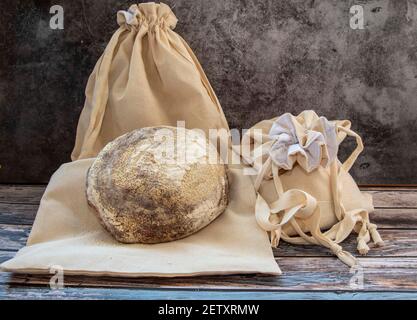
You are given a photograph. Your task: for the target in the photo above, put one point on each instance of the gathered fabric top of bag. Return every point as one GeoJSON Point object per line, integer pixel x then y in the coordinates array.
{"type": "Point", "coordinates": [147, 76]}
{"type": "Point", "coordinates": [152, 14]}
{"type": "Point", "coordinates": [310, 142]}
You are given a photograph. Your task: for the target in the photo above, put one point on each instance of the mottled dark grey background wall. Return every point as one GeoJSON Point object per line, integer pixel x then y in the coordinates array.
{"type": "Point", "coordinates": [263, 58]}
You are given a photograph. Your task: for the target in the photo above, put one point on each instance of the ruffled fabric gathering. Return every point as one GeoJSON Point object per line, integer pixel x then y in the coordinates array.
{"type": "Point", "coordinates": [310, 145]}
{"type": "Point", "coordinates": [152, 16]}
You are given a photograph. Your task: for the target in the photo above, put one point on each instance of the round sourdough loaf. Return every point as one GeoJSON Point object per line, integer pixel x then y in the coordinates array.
{"type": "Point", "coordinates": [156, 185]}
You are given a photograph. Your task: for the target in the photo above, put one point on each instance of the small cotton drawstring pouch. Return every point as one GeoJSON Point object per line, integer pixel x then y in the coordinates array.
{"type": "Point", "coordinates": [302, 187]}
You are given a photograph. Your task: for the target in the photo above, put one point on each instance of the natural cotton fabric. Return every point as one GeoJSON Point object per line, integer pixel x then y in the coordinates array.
{"type": "Point", "coordinates": [302, 186]}
{"type": "Point", "coordinates": [147, 76]}
{"type": "Point", "coordinates": [67, 233]}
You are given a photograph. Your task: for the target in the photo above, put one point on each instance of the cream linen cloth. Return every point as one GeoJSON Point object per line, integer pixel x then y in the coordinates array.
{"type": "Point", "coordinates": [67, 233]}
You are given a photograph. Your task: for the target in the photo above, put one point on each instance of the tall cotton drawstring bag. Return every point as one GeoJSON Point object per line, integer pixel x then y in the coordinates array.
{"type": "Point", "coordinates": [302, 187]}
{"type": "Point", "coordinates": [147, 76]}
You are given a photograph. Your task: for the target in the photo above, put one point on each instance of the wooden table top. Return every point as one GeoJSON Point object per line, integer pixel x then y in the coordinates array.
{"type": "Point", "coordinates": [309, 272]}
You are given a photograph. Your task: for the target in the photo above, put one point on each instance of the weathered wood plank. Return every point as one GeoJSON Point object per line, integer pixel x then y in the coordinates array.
{"type": "Point", "coordinates": [35, 293]}
{"type": "Point", "coordinates": [6, 255]}
{"type": "Point", "coordinates": [17, 213]}
{"type": "Point", "coordinates": [398, 243]}
{"type": "Point", "coordinates": [299, 274]}
{"type": "Point", "coordinates": [394, 218]}
{"type": "Point", "coordinates": [388, 188]}
{"type": "Point", "coordinates": [13, 237]}
{"type": "Point", "coordinates": [28, 194]}
{"type": "Point", "coordinates": [395, 199]}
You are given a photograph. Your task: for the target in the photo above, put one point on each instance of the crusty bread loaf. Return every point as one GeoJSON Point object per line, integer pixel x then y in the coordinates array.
{"type": "Point", "coordinates": [144, 191]}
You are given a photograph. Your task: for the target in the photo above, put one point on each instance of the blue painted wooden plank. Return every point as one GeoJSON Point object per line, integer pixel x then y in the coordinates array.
{"type": "Point", "coordinates": [143, 294]}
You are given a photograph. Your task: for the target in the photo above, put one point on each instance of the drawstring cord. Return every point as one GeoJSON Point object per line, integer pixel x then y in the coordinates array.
{"type": "Point", "coordinates": [367, 230]}
{"type": "Point", "coordinates": [293, 204]}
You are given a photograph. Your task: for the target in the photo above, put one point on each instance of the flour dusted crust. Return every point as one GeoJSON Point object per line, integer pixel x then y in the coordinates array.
{"type": "Point", "coordinates": [140, 198]}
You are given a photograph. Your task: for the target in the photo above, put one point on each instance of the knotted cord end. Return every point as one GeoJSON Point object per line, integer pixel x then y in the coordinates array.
{"type": "Point", "coordinates": [344, 256]}
{"type": "Point", "coordinates": [376, 238]}
{"type": "Point", "coordinates": [362, 247]}
{"type": "Point", "coordinates": [275, 237]}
